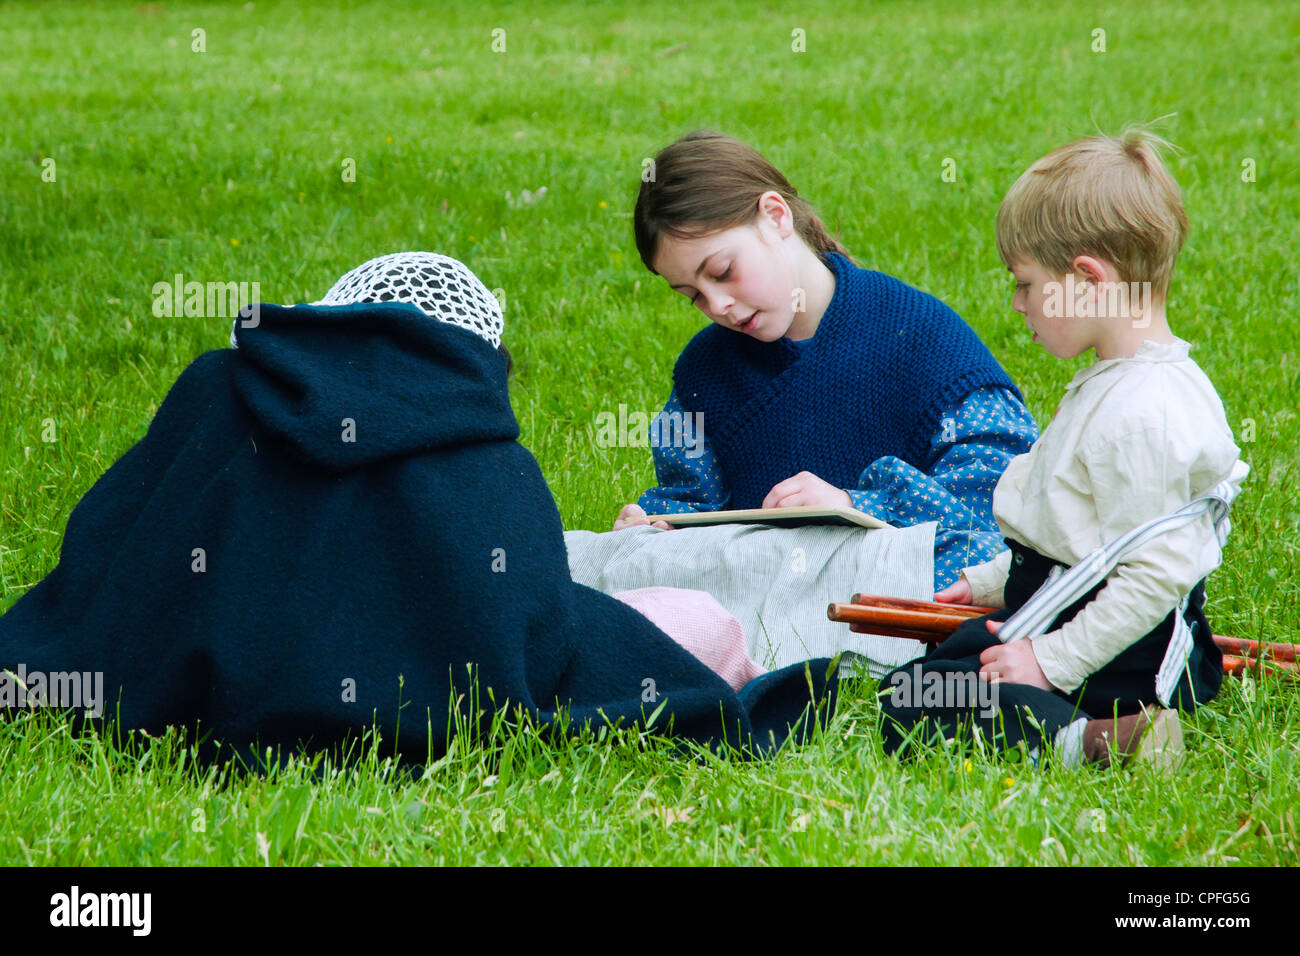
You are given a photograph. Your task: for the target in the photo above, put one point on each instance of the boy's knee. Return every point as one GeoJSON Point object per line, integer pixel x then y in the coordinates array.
{"type": "Point", "coordinates": [970, 639]}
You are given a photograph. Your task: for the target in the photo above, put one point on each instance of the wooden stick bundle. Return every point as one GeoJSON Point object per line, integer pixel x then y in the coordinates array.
{"type": "Point", "coordinates": [931, 622]}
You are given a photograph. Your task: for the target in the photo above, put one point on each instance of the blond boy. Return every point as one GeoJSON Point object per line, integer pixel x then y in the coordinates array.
{"type": "Point", "coordinates": [1091, 233]}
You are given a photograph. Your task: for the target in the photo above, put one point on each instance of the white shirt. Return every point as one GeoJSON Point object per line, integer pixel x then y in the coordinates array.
{"type": "Point", "coordinates": [1132, 440]}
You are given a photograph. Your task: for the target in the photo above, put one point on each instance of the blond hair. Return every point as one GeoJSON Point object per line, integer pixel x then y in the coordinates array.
{"type": "Point", "coordinates": [1106, 196]}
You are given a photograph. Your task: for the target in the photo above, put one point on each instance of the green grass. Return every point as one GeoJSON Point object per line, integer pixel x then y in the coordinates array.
{"type": "Point", "coordinates": [225, 165]}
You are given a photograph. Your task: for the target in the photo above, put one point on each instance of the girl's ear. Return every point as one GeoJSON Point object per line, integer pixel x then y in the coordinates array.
{"type": "Point", "coordinates": [773, 210]}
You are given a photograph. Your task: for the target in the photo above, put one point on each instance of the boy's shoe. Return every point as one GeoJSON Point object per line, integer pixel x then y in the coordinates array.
{"type": "Point", "coordinates": [1153, 735]}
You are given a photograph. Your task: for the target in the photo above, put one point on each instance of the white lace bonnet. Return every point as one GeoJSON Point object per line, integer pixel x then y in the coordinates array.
{"type": "Point", "coordinates": [442, 287]}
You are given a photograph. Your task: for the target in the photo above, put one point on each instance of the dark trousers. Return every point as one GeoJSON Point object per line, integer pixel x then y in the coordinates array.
{"type": "Point", "coordinates": [933, 695]}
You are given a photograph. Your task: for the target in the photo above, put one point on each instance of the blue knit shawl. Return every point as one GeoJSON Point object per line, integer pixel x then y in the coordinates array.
{"type": "Point", "coordinates": [886, 360]}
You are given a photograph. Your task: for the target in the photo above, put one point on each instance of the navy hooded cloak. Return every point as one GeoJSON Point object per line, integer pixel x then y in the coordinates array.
{"type": "Point", "coordinates": [338, 506]}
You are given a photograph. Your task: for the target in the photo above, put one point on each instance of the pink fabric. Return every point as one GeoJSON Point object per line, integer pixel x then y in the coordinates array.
{"type": "Point", "coordinates": [695, 620]}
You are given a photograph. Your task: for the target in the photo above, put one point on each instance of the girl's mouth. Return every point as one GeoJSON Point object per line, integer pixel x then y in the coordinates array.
{"type": "Point", "coordinates": [747, 324]}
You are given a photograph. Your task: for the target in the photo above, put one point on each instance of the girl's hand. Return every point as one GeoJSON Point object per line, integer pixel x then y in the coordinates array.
{"type": "Point", "coordinates": [634, 515]}
{"type": "Point", "coordinates": [958, 592]}
{"type": "Point", "coordinates": [1015, 663]}
{"type": "Point", "coordinates": [807, 490]}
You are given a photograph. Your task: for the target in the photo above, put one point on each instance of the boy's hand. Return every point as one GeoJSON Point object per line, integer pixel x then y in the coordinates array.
{"type": "Point", "coordinates": [1015, 663]}
{"type": "Point", "coordinates": [634, 515]}
{"type": "Point", "coordinates": [958, 592]}
{"type": "Point", "coordinates": [807, 490]}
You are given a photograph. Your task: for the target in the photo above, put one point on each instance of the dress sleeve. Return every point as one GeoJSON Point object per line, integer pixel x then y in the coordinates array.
{"type": "Point", "coordinates": [687, 472]}
{"type": "Point", "coordinates": [1134, 478]}
{"type": "Point", "coordinates": [976, 440]}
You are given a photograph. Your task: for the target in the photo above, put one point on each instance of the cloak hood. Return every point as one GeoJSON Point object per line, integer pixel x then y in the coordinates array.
{"type": "Point", "coordinates": [348, 386]}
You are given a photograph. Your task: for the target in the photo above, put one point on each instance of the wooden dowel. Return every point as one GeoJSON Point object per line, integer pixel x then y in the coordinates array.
{"type": "Point", "coordinates": [931, 622]}
{"type": "Point", "coordinates": [1242, 647]}
{"type": "Point", "coordinates": [877, 630]}
{"type": "Point", "coordinates": [894, 617]}
{"type": "Point", "coordinates": [1232, 664]}
{"type": "Point", "coordinates": [934, 607]}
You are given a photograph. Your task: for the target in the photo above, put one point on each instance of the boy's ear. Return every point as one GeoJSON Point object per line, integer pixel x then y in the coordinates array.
{"type": "Point", "coordinates": [1095, 270]}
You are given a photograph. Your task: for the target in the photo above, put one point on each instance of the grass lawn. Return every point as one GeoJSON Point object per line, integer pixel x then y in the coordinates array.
{"type": "Point", "coordinates": [230, 165]}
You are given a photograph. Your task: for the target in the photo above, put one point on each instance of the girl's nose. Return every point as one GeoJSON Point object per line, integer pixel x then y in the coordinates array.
{"type": "Point", "coordinates": [718, 303]}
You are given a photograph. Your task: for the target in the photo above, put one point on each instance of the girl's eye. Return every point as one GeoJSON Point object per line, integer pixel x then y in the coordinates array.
{"type": "Point", "coordinates": [721, 278]}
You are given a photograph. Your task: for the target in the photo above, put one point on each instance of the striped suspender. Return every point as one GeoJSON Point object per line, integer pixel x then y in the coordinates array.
{"type": "Point", "coordinates": [1063, 587]}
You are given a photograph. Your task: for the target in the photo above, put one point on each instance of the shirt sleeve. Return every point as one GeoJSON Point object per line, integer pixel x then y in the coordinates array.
{"type": "Point", "coordinates": [685, 466]}
{"type": "Point", "coordinates": [976, 440]}
{"type": "Point", "coordinates": [988, 581]}
{"type": "Point", "coordinates": [1134, 478]}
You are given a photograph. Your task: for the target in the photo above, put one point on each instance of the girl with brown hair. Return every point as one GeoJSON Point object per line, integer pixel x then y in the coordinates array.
{"type": "Point", "coordinates": [820, 383]}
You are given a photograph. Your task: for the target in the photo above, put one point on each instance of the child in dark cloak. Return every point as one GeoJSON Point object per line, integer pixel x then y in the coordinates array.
{"type": "Point", "coordinates": [333, 526]}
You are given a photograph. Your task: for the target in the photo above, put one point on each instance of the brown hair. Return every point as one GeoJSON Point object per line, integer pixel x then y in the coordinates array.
{"type": "Point", "coordinates": [706, 182]}
{"type": "Point", "coordinates": [1108, 196]}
